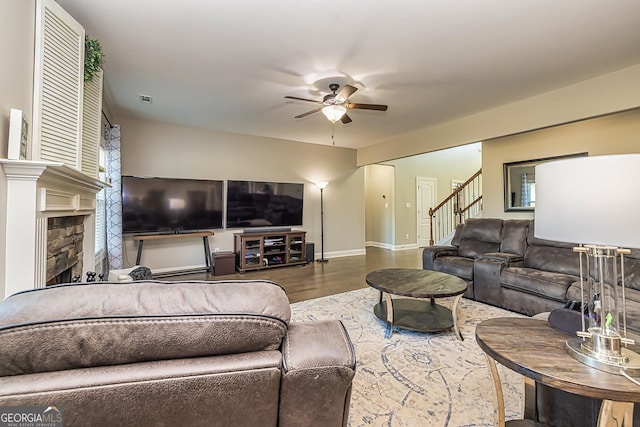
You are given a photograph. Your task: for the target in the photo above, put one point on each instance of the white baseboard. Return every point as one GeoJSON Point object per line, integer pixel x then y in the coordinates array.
{"type": "Point", "coordinates": [169, 270]}
{"type": "Point", "coordinates": [405, 247]}
{"type": "Point", "coordinates": [338, 254]}
{"type": "Point", "coordinates": [381, 245]}
{"type": "Point", "coordinates": [391, 247]}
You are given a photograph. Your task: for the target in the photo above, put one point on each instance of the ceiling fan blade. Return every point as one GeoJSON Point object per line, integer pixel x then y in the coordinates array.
{"type": "Point", "coordinates": [346, 92]}
{"type": "Point", "coordinates": [378, 107]}
{"type": "Point", "coordinates": [304, 99]}
{"type": "Point", "coordinates": [308, 113]}
{"type": "Point", "coordinates": [346, 119]}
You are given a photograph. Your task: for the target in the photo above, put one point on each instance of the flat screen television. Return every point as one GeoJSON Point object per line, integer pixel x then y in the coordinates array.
{"type": "Point", "coordinates": [263, 204]}
{"type": "Point", "coordinates": [170, 204]}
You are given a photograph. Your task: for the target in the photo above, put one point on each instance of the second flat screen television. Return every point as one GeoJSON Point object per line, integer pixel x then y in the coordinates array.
{"type": "Point", "coordinates": [263, 204]}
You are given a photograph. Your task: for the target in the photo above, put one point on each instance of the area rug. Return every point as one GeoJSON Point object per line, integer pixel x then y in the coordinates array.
{"type": "Point", "coordinates": [417, 379]}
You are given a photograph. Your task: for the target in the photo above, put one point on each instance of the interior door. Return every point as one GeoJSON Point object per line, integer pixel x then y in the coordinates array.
{"type": "Point", "coordinates": [426, 191]}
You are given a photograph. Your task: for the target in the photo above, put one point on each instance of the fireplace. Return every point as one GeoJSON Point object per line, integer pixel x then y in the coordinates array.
{"type": "Point", "coordinates": [65, 276]}
{"type": "Point", "coordinates": [65, 237]}
{"type": "Point", "coordinates": [50, 223]}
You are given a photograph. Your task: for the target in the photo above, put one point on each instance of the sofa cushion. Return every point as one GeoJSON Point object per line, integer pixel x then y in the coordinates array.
{"type": "Point", "coordinates": [514, 236]}
{"type": "Point", "coordinates": [98, 324]}
{"type": "Point", "coordinates": [458, 266]}
{"type": "Point", "coordinates": [475, 248]}
{"type": "Point", "coordinates": [552, 259]}
{"type": "Point", "coordinates": [483, 229]}
{"type": "Point", "coordinates": [536, 282]}
{"type": "Point", "coordinates": [548, 255]}
{"type": "Point", "coordinates": [479, 236]}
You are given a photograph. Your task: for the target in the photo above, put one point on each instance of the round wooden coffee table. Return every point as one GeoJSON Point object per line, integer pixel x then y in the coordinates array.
{"type": "Point", "coordinates": [415, 314]}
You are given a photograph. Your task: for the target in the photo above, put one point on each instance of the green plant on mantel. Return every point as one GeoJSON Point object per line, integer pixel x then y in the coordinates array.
{"type": "Point", "coordinates": [93, 58]}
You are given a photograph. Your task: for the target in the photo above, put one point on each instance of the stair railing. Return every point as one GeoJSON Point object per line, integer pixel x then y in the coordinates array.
{"type": "Point", "coordinates": [465, 202]}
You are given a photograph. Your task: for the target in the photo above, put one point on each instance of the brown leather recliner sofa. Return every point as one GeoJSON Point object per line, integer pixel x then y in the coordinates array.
{"type": "Point", "coordinates": [173, 353]}
{"type": "Point", "coordinates": [505, 265]}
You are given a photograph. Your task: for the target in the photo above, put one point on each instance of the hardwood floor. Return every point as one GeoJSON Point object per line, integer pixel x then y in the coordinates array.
{"type": "Point", "coordinates": [317, 280]}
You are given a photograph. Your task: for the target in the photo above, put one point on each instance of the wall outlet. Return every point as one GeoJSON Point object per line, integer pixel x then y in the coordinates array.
{"type": "Point", "coordinates": [216, 250]}
{"type": "Point", "coordinates": [407, 205]}
{"type": "Point", "coordinates": [406, 236]}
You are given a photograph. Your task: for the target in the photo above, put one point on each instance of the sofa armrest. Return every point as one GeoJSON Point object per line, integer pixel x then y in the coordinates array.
{"type": "Point", "coordinates": [486, 281]}
{"type": "Point", "coordinates": [430, 253]}
{"type": "Point", "coordinates": [502, 257]}
{"type": "Point", "coordinates": [319, 366]}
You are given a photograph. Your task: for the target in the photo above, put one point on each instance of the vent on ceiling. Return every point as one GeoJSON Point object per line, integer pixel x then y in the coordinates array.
{"type": "Point", "coordinates": [146, 99]}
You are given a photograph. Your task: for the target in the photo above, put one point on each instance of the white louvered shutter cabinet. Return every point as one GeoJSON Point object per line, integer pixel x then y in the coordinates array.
{"type": "Point", "coordinates": [58, 87]}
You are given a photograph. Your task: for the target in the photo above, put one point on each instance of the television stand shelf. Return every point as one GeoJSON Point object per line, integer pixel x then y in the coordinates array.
{"type": "Point", "coordinates": [140, 238]}
{"type": "Point", "coordinates": [255, 251]}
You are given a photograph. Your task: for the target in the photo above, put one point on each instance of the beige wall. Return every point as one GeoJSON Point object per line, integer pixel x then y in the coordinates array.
{"type": "Point", "coordinates": [17, 19]}
{"type": "Point", "coordinates": [613, 92]}
{"type": "Point", "coordinates": [379, 185]}
{"type": "Point", "coordinates": [161, 149]}
{"type": "Point", "coordinates": [16, 73]}
{"type": "Point", "coordinates": [458, 163]}
{"type": "Point", "coordinates": [613, 134]}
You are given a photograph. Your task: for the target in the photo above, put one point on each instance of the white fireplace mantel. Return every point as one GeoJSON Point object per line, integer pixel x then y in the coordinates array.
{"type": "Point", "coordinates": [36, 191]}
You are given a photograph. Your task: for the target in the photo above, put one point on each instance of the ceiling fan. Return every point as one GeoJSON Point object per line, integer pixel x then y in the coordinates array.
{"type": "Point", "coordinates": [335, 105]}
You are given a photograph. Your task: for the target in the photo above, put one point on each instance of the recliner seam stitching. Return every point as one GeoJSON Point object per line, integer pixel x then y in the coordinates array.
{"type": "Point", "coordinates": [29, 329]}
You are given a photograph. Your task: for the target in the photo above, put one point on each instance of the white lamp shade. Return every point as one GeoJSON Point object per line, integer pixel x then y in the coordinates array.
{"type": "Point", "coordinates": [334, 112]}
{"type": "Point", "coordinates": [589, 200]}
{"type": "Point", "coordinates": [322, 184]}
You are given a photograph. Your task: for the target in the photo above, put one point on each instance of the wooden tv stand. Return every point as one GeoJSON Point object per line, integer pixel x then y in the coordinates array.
{"type": "Point", "coordinates": [140, 238]}
{"type": "Point", "coordinates": [258, 250]}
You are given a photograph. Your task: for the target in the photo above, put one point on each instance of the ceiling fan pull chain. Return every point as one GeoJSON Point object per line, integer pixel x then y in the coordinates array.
{"type": "Point", "coordinates": [333, 131]}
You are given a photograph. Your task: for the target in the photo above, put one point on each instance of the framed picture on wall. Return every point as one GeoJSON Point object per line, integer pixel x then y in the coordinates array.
{"type": "Point", "coordinates": [18, 136]}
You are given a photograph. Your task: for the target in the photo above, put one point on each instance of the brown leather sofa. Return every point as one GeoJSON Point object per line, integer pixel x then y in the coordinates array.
{"type": "Point", "coordinates": [173, 353]}
{"type": "Point", "coordinates": [507, 266]}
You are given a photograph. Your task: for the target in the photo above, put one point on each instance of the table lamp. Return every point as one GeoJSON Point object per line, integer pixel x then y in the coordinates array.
{"type": "Point", "coordinates": [594, 202]}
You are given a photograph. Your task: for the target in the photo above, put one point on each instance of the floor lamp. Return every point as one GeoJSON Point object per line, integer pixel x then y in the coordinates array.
{"type": "Point", "coordinates": [321, 185]}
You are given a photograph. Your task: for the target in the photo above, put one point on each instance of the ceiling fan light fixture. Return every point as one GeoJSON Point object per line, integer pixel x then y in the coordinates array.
{"type": "Point", "coordinates": [334, 112]}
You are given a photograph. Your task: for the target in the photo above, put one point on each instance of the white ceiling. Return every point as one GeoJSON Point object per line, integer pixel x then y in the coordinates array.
{"type": "Point", "coordinates": [227, 65]}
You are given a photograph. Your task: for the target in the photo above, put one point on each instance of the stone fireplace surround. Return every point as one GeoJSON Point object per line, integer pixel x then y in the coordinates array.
{"type": "Point", "coordinates": [65, 237]}
{"type": "Point", "coordinates": [37, 192]}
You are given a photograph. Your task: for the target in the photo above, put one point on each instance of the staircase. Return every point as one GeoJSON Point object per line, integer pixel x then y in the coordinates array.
{"type": "Point", "coordinates": [464, 202]}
